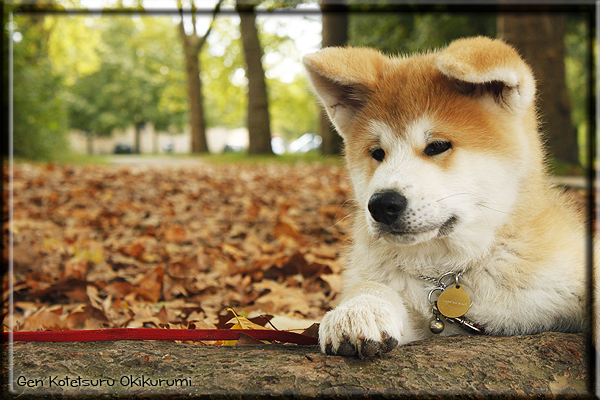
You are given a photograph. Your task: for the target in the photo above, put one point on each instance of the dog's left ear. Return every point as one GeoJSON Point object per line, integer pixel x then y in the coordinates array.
{"type": "Point", "coordinates": [489, 67]}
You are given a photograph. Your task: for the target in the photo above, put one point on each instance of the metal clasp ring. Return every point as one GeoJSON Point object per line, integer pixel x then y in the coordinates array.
{"type": "Point", "coordinates": [442, 285]}
{"type": "Point", "coordinates": [431, 292]}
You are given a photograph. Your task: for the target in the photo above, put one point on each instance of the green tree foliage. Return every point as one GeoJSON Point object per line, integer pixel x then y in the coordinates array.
{"type": "Point", "coordinates": [578, 69]}
{"type": "Point", "coordinates": [223, 75]}
{"type": "Point", "coordinates": [73, 47]}
{"type": "Point", "coordinates": [39, 115]}
{"type": "Point", "coordinates": [134, 83]}
{"type": "Point", "coordinates": [162, 61]}
{"type": "Point", "coordinates": [408, 32]}
{"type": "Point", "coordinates": [101, 73]}
{"type": "Point", "coordinates": [293, 110]}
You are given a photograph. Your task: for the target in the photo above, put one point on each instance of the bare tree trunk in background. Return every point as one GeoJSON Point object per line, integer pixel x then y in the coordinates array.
{"type": "Point", "coordinates": [90, 142]}
{"type": "Point", "coordinates": [539, 37]}
{"type": "Point", "coordinates": [138, 133]}
{"type": "Point", "coordinates": [192, 45]}
{"type": "Point", "coordinates": [259, 127]}
{"type": "Point", "coordinates": [197, 124]}
{"type": "Point", "coordinates": [335, 33]}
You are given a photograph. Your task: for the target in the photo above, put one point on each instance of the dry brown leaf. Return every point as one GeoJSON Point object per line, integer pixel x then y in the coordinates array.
{"type": "Point", "coordinates": [175, 234]}
{"type": "Point", "coordinates": [282, 298]}
{"type": "Point", "coordinates": [150, 286]}
{"type": "Point", "coordinates": [334, 281]}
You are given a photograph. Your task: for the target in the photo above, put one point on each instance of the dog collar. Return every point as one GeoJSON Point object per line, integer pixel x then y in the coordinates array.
{"type": "Point", "coordinates": [451, 304]}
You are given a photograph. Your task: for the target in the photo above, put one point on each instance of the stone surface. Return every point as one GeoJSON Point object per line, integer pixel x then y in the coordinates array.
{"type": "Point", "coordinates": [543, 365]}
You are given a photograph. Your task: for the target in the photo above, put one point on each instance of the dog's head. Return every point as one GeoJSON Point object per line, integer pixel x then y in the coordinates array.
{"type": "Point", "coordinates": [436, 144]}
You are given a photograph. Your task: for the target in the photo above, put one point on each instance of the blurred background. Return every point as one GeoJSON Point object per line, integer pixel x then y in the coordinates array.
{"type": "Point", "coordinates": [192, 77]}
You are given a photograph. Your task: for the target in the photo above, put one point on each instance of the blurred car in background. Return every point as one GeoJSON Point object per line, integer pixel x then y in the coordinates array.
{"type": "Point", "coordinates": [233, 148]}
{"type": "Point", "coordinates": [305, 143]}
{"type": "Point", "coordinates": [168, 147]}
{"type": "Point", "coordinates": [123, 148]}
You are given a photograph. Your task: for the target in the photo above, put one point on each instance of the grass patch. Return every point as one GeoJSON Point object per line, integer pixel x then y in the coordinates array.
{"type": "Point", "coordinates": [311, 157]}
{"type": "Point", "coordinates": [561, 168]}
{"type": "Point", "coordinates": [243, 158]}
{"type": "Point", "coordinates": [75, 158]}
{"type": "Point", "coordinates": [70, 158]}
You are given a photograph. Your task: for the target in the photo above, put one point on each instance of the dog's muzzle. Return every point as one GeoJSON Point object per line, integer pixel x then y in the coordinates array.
{"type": "Point", "coordinates": [391, 211]}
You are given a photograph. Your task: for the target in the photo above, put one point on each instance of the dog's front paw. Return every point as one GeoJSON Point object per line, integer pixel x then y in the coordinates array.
{"type": "Point", "coordinates": [364, 325]}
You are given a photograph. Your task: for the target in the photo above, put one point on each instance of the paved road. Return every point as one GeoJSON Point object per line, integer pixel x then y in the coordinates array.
{"type": "Point", "coordinates": [571, 181]}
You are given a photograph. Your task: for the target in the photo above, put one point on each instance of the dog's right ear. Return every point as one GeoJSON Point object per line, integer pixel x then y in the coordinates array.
{"type": "Point", "coordinates": [343, 79]}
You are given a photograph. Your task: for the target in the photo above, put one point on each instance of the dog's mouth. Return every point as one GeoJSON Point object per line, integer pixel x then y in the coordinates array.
{"type": "Point", "coordinates": [390, 216]}
{"type": "Point", "coordinates": [403, 232]}
{"type": "Point", "coordinates": [448, 226]}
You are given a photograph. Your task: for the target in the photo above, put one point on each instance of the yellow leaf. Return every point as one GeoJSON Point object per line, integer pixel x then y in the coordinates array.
{"type": "Point", "coordinates": [95, 256]}
{"type": "Point", "coordinates": [242, 323]}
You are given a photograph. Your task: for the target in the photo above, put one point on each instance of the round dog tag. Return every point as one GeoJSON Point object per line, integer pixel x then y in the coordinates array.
{"type": "Point", "coordinates": [453, 302]}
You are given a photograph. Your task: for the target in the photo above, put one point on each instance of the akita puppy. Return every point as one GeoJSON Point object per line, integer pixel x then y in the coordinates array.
{"type": "Point", "coordinates": [457, 228]}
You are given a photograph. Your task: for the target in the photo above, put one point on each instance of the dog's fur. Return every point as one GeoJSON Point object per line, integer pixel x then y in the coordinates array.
{"type": "Point", "coordinates": [448, 172]}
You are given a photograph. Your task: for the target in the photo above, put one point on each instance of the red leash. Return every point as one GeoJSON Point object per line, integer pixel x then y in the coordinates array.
{"type": "Point", "coordinates": [100, 335]}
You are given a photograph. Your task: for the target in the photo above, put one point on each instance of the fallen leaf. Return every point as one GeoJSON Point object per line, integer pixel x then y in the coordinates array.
{"type": "Point", "coordinates": [150, 286]}
{"type": "Point", "coordinates": [245, 340]}
{"type": "Point", "coordinates": [109, 243]}
{"type": "Point", "coordinates": [175, 234]}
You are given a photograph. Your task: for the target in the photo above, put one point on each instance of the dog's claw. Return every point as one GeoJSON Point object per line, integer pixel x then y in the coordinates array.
{"type": "Point", "coordinates": [388, 343]}
{"type": "Point", "coordinates": [329, 350]}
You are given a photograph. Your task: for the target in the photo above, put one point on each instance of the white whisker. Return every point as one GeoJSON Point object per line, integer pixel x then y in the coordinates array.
{"type": "Point", "coordinates": [493, 209]}
{"type": "Point", "coordinates": [452, 195]}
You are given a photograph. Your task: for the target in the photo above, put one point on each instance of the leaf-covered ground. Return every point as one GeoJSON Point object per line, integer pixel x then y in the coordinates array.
{"type": "Point", "coordinates": [174, 245]}
{"type": "Point", "coordinates": [106, 246]}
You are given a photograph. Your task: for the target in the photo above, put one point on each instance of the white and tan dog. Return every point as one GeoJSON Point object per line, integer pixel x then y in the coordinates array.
{"type": "Point", "coordinates": [451, 190]}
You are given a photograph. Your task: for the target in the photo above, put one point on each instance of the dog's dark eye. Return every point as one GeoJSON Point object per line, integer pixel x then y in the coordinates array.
{"type": "Point", "coordinates": [437, 147]}
{"type": "Point", "coordinates": [378, 154]}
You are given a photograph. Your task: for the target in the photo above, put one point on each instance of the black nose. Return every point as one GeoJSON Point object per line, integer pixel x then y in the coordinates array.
{"type": "Point", "coordinates": [386, 206]}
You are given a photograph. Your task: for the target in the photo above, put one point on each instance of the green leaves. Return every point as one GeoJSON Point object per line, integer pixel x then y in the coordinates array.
{"type": "Point", "coordinates": [98, 73]}
{"type": "Point", "coordinates": [72, 47]}
{"type": "Point", "coordinates": [132, 76]}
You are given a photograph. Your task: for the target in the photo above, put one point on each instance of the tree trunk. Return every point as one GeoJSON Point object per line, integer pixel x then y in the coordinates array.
{"type": "Point", "coordinates": [466, 367]}
{"type": "Point", "coordinates": [192, 45]}
{"type": "Point", "coordinates": [138, 133]}
{"type": "Point", "coordinates": [155, 148]}
{"type": "Point", "coordinates": [259, 129]}
{"type": "Point", "coordinates": [539, 37]}
{"type": "Point", "coordinates": [90, 142]}
{"type": "Point", "coordinates": [194, 84]}
{"type": "Point", "coordinates": [335, 33]}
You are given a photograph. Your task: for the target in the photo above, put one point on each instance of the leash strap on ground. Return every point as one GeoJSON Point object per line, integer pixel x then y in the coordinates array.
{"type": "Point", "coordinates": [99, 335]}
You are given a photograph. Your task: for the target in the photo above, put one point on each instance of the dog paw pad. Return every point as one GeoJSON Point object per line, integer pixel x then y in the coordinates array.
{"type": "Point", "coordinates": [346, 349]}
{"type": "Point", "coordinates": [369, 348]}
